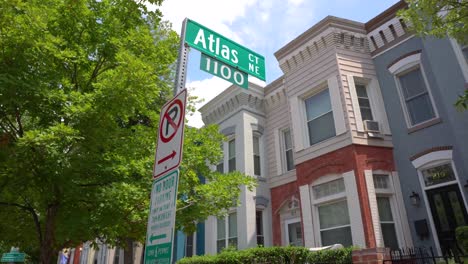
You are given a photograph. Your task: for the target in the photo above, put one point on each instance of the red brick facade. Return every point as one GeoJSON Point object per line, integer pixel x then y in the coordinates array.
{"type": "Point", "coordinates": [355, 158]}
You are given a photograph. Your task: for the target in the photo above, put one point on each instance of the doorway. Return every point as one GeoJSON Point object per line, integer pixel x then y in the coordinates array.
{"type": "Point", "coordinates": [448, 212]}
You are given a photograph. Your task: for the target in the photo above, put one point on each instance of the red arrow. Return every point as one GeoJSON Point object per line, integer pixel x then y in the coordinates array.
{"type": "Point", "coordinates": [170, 156]}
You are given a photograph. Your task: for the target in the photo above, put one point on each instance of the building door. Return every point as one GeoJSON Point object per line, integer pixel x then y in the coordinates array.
{"type": "Point", "coordinates": [448, 212]}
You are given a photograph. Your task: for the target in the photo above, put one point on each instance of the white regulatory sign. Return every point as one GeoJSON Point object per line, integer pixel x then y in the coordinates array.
{"type": "Point", "coordinates": [161, 220]}
{"type": "Point", "coordinates": [171, 135]}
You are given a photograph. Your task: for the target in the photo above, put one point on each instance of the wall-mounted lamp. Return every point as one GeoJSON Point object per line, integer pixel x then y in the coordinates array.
{"type": "Point", "coordinates": [415, 200]}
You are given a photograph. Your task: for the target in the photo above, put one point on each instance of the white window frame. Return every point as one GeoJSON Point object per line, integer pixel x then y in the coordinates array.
{"type": "Point", "coordinates": [259, 154]}
{"type": "Point", "coordinates": [324, 201]}
{"type": "Point", "coordinates": [407, 65]}
{"type": "Point", "coordinates": [299, 118]}
{"type": "Point", "coordinates": [228, 153]}
{"type": "Point", "coordinates": [284, 150]}
{"type": "Point", "coordinates": [304, 99]}
{"type": "Point", "coordinates": [391, 194]}
{"type": "Point", "coordinates": [430, 160]}
{"type": "Point", "coordinates": [226, 228]}
{"type": "Point", "coordinates": [286, 229]}
{"type": "Point", "coordinates": [375, 100]}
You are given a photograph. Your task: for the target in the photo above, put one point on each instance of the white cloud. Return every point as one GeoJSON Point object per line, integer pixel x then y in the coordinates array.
{"type": "Point", "coordinates": [206, 89]}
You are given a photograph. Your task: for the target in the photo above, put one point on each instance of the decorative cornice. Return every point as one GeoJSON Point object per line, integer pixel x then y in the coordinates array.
{"type": "Point", "coordinates": [231, 105]}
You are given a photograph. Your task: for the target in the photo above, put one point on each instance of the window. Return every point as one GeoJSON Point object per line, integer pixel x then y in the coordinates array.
{"type": "Point", "coordinates": [259, 226]}
{"type": "Point", "coordinates": [294, 232]}
{"type": "Point", "coordinates": [437, 175]}
{"type": "Point", "coordinates": [364, 103]}
{"type": "Point", "coordinates": [335, 226]}
{"type": "Point", "coordinates": [228, 223]}
{"type": "Point", "coordinates": [116, 255]}
{"type": "Point", "coordinates": [319, 115]}
{"type": "Point", "coordinates": [256, 155]}
{"type": "Point", "coordinates": [189, 245]}
{"type": "Point", "coordinates": [333, 214]}
{"type": "Point", "coordinates": [232, 155]}
{"type": "Point", "coordinates": [287, 150]}
{"type": "Point", "coordinates": [387, 224]}
{"type": "Point", "coordinates": [220, 166]}
{"type": "Point", "coordinates": [416, 96]}
{"type": "Point", "coordinates": [384, 196]}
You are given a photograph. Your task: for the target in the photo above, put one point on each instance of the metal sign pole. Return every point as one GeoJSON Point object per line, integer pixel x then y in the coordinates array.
{"type": "Point", "coordinates": [181, 71]}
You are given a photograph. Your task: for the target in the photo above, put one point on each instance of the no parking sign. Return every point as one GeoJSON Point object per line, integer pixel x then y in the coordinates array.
{"type": "Point", "coordinates": [171, 135]}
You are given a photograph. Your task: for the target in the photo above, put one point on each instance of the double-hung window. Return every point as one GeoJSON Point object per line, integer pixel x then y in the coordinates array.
{"type": "Point", "coordinates": [319, 115]}
{"type": "Point", "coordinates": [259, 227]}
{"type": "Point", "coordinates": [229, 238]}
{"type": "Point", "coordinates": [287, 150]}
{"type": "Point", "coordinates": [333, 213]}
{"type": "Point", "coordinates": [364, 103]}
{"type": "Point", "coordinates": [256, 155]}
{"type": "Point", "coordinates": [414, 91]}
{"type": "Point", "coordinates": [232, 155]}
{"type": "Point", "coordinates": [384, 195]}
{"type": "Point", "coordinates": [416, 96]}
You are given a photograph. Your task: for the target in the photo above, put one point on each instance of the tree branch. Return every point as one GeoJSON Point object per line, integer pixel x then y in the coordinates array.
{"type": "Point", "coordinates": [33, 214]}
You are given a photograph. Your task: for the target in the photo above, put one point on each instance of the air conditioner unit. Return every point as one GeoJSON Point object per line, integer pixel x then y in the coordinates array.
{"type": "Point", "coordinates": [371, 126]}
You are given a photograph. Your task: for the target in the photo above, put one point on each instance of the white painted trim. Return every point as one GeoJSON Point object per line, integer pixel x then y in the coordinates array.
{"type": "Point", "coordinates": [297, 122]}
{"type": "Point", "coordinates": [460, 58]}
{"type": "Point", "coordinates": [377, 106]}
{"type": "Point", "coordinates": [355, 102]}
{"type": "Point", "coordinates": [286, 230]}
{"type": "Point", "coordinates": [407, 240]}
{"type": "Point", "coordinates": [405, 63]}
{"type": "Point", "coordinates": [429, 160]}
{"type": "Point", "coordinates": [337, 106]}
{"type": "Point", "coordinates": [413, 61]}
{"type": "Point", "coordinates": [307, 222]}
{"type": "Point", "coordinates": [374, 208]}
{"type": "Point", "coordinates": [354, 208]}
{"type": "Point", "coordinates": [277, 135]}
{"type": "Point", "coordinates": [432, 156]}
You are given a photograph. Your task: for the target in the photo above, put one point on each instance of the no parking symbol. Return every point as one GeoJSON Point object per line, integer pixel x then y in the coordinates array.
{"type": "Point", "coordinates": [171, 135]}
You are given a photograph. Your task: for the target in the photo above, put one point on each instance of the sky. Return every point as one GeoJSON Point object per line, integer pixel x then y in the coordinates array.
{"type": "Point", "coordinates": [263, 26]}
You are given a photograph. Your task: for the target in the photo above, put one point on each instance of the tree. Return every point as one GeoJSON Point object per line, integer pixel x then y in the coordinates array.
{"type": "Point", "coordinates": [439, 18]}
{"type": "Point", "coordinates": [82, 83]}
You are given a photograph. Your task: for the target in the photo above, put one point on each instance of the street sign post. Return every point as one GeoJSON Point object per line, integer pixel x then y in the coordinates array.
{"type": "Point", "coordinates": [171, 135]}
{"type": "Point", "coordinates": [215, 45]}
{"type": "Point", "coordinates": [161, 220]}
{"type": "Point", "coordinates": [224, 71]}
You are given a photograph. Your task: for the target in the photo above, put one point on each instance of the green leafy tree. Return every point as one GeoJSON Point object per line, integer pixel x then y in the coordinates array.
{"type": "Point", "coordinates": [439, 18]}
{"type": "Point", "coordinates": [82, 83]}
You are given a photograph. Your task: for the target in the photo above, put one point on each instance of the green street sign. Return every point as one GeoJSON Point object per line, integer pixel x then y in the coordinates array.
{"type": "Point", "coordinates": [215, 45]}
{"type": "Point", "coordinates": [13, 257]}
{"type": "Point", "coordinates": [224, 71]}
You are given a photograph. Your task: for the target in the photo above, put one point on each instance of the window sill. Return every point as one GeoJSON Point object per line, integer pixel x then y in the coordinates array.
{"type": "Point", "coordinates": [425, 124]}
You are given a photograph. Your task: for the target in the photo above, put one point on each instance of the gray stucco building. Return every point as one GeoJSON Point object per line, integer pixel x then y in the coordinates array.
{"type": "Point", "coordinates": [420, 80]}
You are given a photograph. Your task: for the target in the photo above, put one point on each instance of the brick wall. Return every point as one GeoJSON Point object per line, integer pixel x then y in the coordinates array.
{"type": "Point", "coordinates": [355, 158]}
